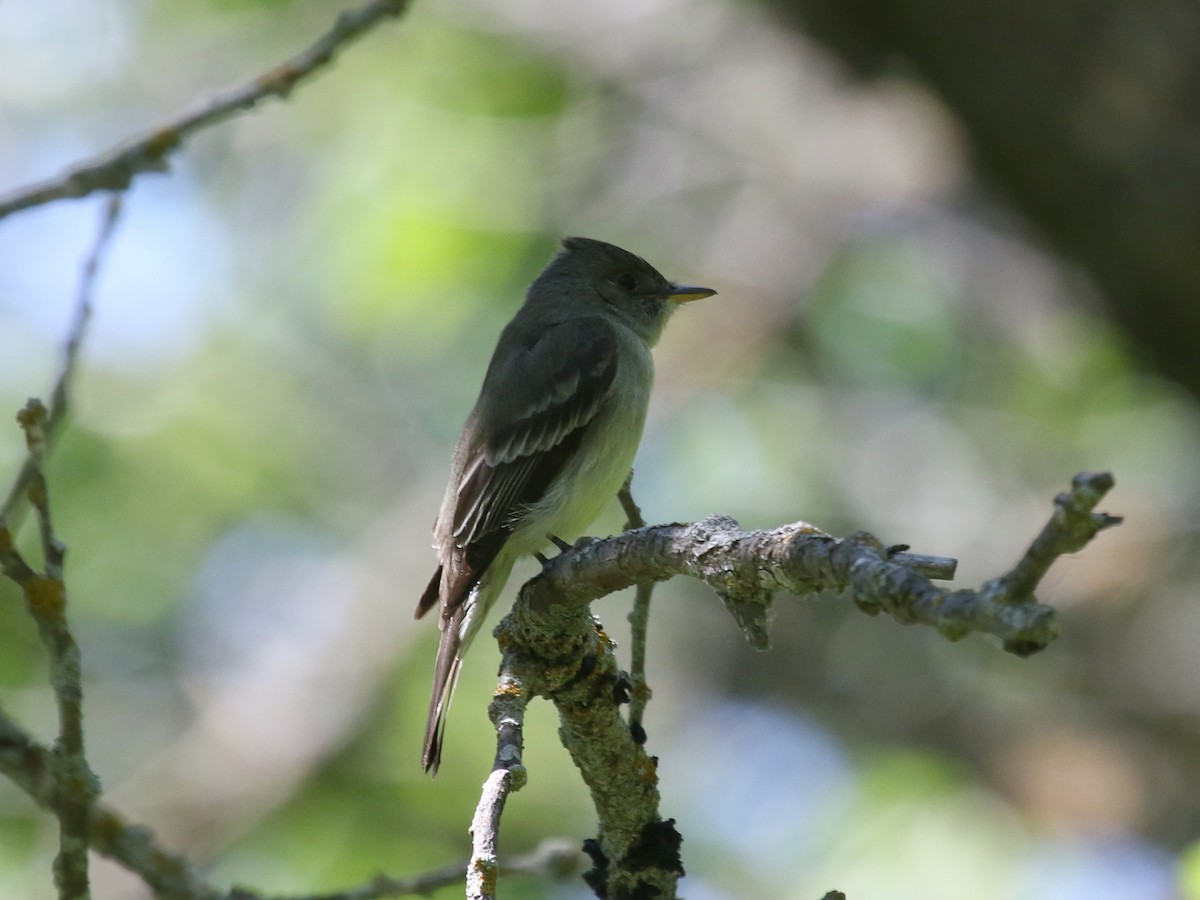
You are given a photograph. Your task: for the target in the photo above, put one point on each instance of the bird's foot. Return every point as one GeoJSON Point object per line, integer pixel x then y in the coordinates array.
{"type": "Point", "coordinates": [622, 689]}
{"type": "Point", "coordinates": [558, 542]}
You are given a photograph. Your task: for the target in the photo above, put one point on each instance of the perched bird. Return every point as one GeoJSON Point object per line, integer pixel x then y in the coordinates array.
{"type": "Point", "coordinates": [550, 440]}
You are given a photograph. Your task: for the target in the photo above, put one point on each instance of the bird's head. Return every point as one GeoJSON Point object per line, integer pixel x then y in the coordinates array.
{"type": "Point", "coordinates": [613, 281]}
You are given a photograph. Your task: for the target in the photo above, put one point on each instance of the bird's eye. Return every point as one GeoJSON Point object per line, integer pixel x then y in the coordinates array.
{"type": "Point", "coordinates": [626, 281]}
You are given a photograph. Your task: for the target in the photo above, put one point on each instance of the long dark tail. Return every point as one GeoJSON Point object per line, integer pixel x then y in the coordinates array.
{"type": "Point", "coordinates": [464, 606]}
{"type": "Point", "coordinates": [445, 676]}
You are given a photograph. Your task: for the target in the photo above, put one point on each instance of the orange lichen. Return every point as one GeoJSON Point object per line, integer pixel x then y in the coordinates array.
{"type": "Point", "coordinates": [46, 597]}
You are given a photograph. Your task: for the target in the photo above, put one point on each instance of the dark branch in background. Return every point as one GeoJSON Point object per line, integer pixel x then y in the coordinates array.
{"type": "Point", "coordinates": [1111, 181]}
{"type": "Point", "coordinates": [116, 169]}
{"type": "Point", "coordinates": [554, 647]}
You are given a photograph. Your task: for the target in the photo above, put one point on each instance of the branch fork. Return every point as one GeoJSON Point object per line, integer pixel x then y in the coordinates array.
{"type": "Point", "coordinates": [553, 647]}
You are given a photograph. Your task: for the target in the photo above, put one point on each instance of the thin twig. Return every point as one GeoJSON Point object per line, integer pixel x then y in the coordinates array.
{"type": "Point", "coordinates": [46, 593]}
{"type": "Point", "coordinates": [508, 775]}
{"type": "Point", "coordinates": [1069, 530]}
{"type": "Point", "coordinates": [935, 568]}
{"type": "Point", "coordinates": [33, 769]}
{"type": "Point", "coordinates": [554, 858]}
{"type": "Point", "coordinates": [115, 169]}
{"type": "Point", "coordinates": [30, 766]}
{"type": "Point", "coordinates": [60, 397]}
{"type": "Point", "coordinates": [484, 868]}
{"type": "Point", "coordinates": [639, 624]}
{"type": "Point", "coordinates": [46, 599]}
{"type": "Point", "coordinates": [507, 712]}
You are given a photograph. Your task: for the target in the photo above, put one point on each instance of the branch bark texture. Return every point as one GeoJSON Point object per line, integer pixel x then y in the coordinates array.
{"type": "Point", "coordinates": [553, 647]}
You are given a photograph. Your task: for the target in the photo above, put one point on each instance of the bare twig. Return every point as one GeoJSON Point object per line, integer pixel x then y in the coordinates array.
{"type": "Point", "coordinates": [115, 169]}
{"type": "Point", "coordinates": [639, 623]}
{"type": "Point", "coordinates": [484, 867]}
{"type": "Point", "coordinates": [633, 512]}
{"type": "Point", "coordinates": [935, 568]}
{"type": "Point", "coordinates": [1069, 530]}
{"type": "Point", "coordinates": [508, 774]}
{"type": "Point", "coordinates": [13, 507]}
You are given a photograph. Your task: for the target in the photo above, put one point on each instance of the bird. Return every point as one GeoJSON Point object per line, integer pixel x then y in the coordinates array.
{"type": "Point", "coordinates": [550, 440]}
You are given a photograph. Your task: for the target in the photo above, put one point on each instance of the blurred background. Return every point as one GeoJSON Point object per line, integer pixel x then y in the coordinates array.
{"type": "Point", "coordinates": [958, 258]}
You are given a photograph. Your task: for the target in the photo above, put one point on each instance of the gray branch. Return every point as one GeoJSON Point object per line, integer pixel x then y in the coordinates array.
{"type": "Point", "coordinates": [34, 769]}
{"type": "Point", "coordinates": [562, 655]}
{"type": "Point", "coordinates": [484, 867]}
{"type": "Point", "coordinates": [115, 169]}
{"type": "Point", "coordinates": [45, 593]}
{"type": "Point", "coordinates": [747, 569]}
{"type": "Point", "coordinates": [554, 647]}
{"type": "Point", "coordinates": [46, 599]}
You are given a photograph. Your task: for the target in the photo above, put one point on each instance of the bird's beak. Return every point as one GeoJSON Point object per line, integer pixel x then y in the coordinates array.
{"type": "Point", "coordinates": [686, 293]}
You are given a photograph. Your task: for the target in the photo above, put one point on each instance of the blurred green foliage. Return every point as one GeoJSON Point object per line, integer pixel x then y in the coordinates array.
{"type": "Point", "coordinates": [247, 501]}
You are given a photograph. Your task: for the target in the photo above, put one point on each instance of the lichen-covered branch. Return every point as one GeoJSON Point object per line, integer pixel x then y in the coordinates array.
{"type": "Point", "coordinates": [562, 654]}
{"type": "Point", "coordinates": [46, 599]}
{"type": "Point", "coordinates": [33, 769]}
{"type": "Point", "coordinates": [484, 867]}
{"type": "Point", "coordinates": [116, 169]}
{"type": "Point", "coordinates": [747, 569]}
{"type": "Point", "coordinates": [45, 595]}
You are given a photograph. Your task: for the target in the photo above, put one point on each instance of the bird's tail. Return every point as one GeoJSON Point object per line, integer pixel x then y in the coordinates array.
{"type": "Point", "coordinates": [466, 598]}
{"type": "Point", "coordinates": [445, 676]}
